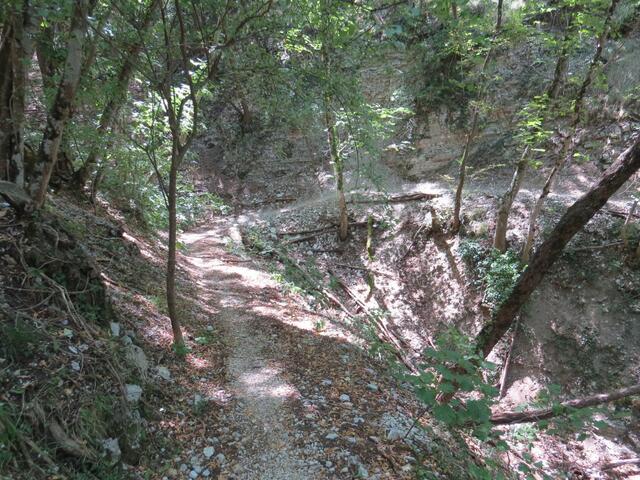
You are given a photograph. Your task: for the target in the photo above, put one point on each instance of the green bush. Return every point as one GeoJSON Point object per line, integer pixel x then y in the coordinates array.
{"type": "Point", "coordinates": [496, 272]}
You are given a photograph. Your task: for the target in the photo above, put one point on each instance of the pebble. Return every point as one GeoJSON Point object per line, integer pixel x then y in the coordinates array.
{"type": "Point", "coordinates": [372, 387]}
{"type": "Point", "coordinates": [193, 474]}
{"type": "Point", "coordinates": [208, 452]}
{"type": "Point", "coordinates": [345, 398]}
{"type": "Point", "coordinates": [331, 436]}
{"type": "Point", "coordinates": [326, 382]}
{"type": "Point", "coordinates": [220, 458]}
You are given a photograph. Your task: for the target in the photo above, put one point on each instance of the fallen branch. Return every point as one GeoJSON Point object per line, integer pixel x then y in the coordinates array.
{"type": "Point", "coordinates": [403, 198]}
{"type": "Point", "coordinates": [506, 418]}
{"type": "Point", "coordinates": [620, 463]}
{"type": "Point", "coordinates": [317, 232]}
{"type": "Point", "coordinates": [387, 335]}
{"type": "Point", "coordinates": [269, 201]}
{"type": "Point", "coordinates": [597, 247]}
{"type": "Point", "coordinates": [364, 269]}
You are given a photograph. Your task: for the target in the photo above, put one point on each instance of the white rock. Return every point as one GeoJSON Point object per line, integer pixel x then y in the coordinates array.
{"type": "Point", "coordinates": [331, 436]}
{"type": "Point", "coordinates": [112, 447]}
{"type": "Point", "coordinates": [208, 452]}
{"type": "Point", "coordinates": [133, 392]}
{"type": "Point", "coordinates": [345, 398]}
{"type": "Point", "coordinates": [163, 372]}
{"type": "Point", "coordinates": [115, 329]}
{"type": "Point", "coordinates": [137, 358]}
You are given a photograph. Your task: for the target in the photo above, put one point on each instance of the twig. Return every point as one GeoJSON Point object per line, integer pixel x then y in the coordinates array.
{"type": "Point", "coordinates": [507, 362]}
{"type": "Point", "coordinates": [364, 269]}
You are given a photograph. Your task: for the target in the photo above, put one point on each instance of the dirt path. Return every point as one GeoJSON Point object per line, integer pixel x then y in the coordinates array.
{"type": "Point", "coordinates": [259, 419]}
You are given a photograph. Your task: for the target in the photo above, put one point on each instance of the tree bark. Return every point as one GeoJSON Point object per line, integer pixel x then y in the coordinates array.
{"type": "Point", "coordinates": [115, 101]}
{"type": "Point", "coordinates": [507, 418]}
{"type": "Point", "coordinates": [21, 61]}
{"type": "Point", "coordinates": [504, 209]}
{"type": "Point", "coordinates": [338, 169]}
{"type": "Point", "coordinates": [462, 172]}
{"type": "Point", "coordinates": [178, 339]}
{"type": "Point", "coordinates": [571, 222]}
{"type": "Point", "coordinates": [6, 90]}
{"type": "Point", "coordinates": [60, 111]}
{"type": "Point", "coordinates": [546, 190]}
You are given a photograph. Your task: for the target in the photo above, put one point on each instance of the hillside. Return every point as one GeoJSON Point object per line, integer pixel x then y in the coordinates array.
{"type": "Point", "coordinates": [319, 240]}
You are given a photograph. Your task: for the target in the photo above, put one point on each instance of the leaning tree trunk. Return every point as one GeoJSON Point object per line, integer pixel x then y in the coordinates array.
{"type": "Point", "coordinates": [61, 109]}
{"type": "Point", "coordinates": [571, 222]}
{"type": "Point", "coordinates": [338, 169]}
{"type": "Point", "coordinates": [504, 209]}
{"type": "Point", "coordinates": [115, 101]}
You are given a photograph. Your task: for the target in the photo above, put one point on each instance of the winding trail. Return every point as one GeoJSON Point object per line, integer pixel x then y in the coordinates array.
{"type": "Point", "coordinates": [259, 412]}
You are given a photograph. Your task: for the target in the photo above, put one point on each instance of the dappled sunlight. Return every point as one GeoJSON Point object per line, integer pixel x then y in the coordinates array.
{"type": "Point", "coordinates": [198, 362]}
{"type": "Point", "coordinates": [265, 382]}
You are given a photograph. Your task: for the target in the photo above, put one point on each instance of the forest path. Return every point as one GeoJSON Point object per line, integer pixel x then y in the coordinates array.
{"type": "Point", "coordinates": [258, 419]}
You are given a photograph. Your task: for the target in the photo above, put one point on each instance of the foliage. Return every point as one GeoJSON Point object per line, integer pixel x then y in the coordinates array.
{"type": "Point", "coordinates": [19, 340]}
{"type": "Point", "coordinates": [454, 365]}
{"type": "Point", "coordinates": [496, 272]}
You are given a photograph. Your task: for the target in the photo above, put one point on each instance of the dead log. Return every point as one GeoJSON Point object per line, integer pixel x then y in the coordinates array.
{"type": "Point", "coordinates": [409, 197]}
{"type": "Point", "coordinates": [507, 418]}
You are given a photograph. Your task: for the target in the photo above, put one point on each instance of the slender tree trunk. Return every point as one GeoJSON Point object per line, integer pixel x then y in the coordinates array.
{"type": "Point", "coordinates": [504, 209]}
{"type": "Point", "coordinates": [455, 222]}
{"type": "Point", "coordinates": [21, 61]}
{"type": "Point", "coordinates": [571, 222]}
{"type": "Point", "coordinates": [507, 418]}
{"type": "Point", "coordinates": [499, 16]}
{"type": "Point", "coordinates": [546, 190]}
{"type": "Point", "coordinates": [178, 339]}
{"type": "Point", "coordinates": [115, 101]}
{"type": "Point", "coordinates": [60, 111]}
{"type": "Point", "coordinates": [462, 172]}
{"type": "Point", "coordinates": [6, 91]}
{"type": "Point", "coordinates": [338, 169]}
{"type": "Point", "coordinates": [560, 72]}
{"type": "Point", "coordinates": [567, 149]}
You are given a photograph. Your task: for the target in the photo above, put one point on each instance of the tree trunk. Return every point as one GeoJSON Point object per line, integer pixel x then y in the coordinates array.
{"type": "Point", "coordinates": [546, 190]}
{"type": "Point", "coordinates": [499, 16]}
{"type": "Point", "coordinates": [21, 61]}
{"type": "Point", "coordinates": [504, 209]}
{"type": "Point", "coordinates": [60, 111]}
{"type": "Point", "coordinates": [602, 39]}
{"type": "Point", "coordinates": [571, 222]}
{"type": "Point", "coordinates": [178, 339]}
{"type": "Point", "coordinates": [455, 223]}
{"type": "Point", "coordinates": [115, 101]}
{"type": "Point", "coordinates": [566, 145]}
{"type": "Point", "coordinates": [507, 418]}
{"type": "Point", "coordinates": [462, 172]}
{"type": "Point", "coordinates": [6, 91]}
{"type": "Point", "coordinates": [338, 169]}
